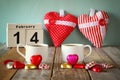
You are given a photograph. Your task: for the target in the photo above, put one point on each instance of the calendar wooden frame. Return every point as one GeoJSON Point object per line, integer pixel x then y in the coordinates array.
{"type": "Point", "coordinates": [24, 34]}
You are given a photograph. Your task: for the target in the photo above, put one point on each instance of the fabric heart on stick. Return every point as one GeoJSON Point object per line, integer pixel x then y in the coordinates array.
{"type": "Point", "coordinates": [59, 27]}
{"type": "Point", "coordinates": [94, 27]}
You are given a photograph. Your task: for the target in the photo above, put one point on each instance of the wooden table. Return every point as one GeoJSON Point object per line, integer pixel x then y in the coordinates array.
{"type": "Point", "coordinates": [110, 55]}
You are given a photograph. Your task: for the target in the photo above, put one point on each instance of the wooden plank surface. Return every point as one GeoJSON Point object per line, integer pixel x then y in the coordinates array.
{"type": "Point", "coordinates": [37, 74]}
{"type": "Point", "coordinates": [6, 74]}
{"type": "Point", "coordinates": [101, 56]}
{"type": "Point", "coordinates": [110, 55]}
{"type": "Point", "coordinates": [67, 74]}
{"type": "Point", "coordinates": [114, 54]}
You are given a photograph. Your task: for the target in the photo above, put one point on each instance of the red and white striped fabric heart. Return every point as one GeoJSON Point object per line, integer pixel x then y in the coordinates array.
{"type": "Point", "coordinates": [59, 28]}
{"type": "Point", "coordinates": [94, 28]}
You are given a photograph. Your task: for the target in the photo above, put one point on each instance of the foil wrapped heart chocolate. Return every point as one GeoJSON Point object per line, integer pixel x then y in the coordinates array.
{"type": "Point", "coordinates": [66, 66]}
{"type": "Point", "coordinates": [36, 59]}
{"type": "Point", "coordinates": [18, 65]}
{"type": "Point", "coordinates": [97, 68]}
{"type": "Point", "coordinates": [72, 59]}
{"type": "Point", "coordinates": [79, 66]}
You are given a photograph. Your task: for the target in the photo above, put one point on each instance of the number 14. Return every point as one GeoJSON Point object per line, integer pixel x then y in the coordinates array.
{"type": "Point", "coordinates": [34, 37]}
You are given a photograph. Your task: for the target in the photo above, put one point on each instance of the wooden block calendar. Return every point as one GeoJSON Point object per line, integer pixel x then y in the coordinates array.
{"type": "Point", "coordinates": [24, 34]}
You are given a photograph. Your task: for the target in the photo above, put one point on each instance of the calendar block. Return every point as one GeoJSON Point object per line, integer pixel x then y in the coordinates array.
{"type": "Point", "coordinates": [14, 37]}
{"type": "Point", "coordinates": [34, 36]}
{"type": "Point", "coordinates": [24, 34]}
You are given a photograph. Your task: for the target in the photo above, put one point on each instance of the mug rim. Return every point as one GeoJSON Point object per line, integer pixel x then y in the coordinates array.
{"type": "Point", "coordinates": [34, 45]}
{"type": "Point", "coordinates": [72, 44]}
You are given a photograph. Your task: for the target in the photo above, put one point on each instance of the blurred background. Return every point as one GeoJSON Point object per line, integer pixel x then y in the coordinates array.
{"type": "Point", "coordinates": [33, 11]}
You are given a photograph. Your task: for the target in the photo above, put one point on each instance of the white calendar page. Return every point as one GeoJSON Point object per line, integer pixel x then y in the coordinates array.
{"type": "Point", "coordinates": [24, 34]}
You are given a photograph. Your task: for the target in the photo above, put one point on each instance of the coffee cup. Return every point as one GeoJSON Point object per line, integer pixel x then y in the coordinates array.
{"type": "Point", "coordinates": [78, 49]}
{"type": "Point", "coordinates": [30, 50]}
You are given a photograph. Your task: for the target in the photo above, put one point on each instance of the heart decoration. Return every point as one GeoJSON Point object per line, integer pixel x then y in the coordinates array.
{"type": "Point", "coordinates": [59, 28]}
{"type": "Point", "coordinates": [94, 28]}
{"type": "Point", "coordinates": [97, 68]}
{"type": "Point", "coordinates": [79, 66]}
{"type": "Point", "coordinates": [36, 59]}
{"type": "Point", "coordinates": [72, 59]}
{"type": "Point", "coordinates": [18, 65]}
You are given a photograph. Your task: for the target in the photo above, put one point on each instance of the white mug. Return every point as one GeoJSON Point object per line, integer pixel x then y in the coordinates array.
{"type": "Point", "coordinates": [30, 50]}
{"type": "Point", "coordinates": [78, 49]}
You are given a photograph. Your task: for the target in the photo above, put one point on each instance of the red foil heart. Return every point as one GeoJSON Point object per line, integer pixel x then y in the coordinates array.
{"type": "Point", "coordinates": [18, 65]}
{"type": "Point", "coordinates": [79, 66]}
{"type": "Point", "coordinates": [97, 68]}
{"type": "Point", "coordinates": [36, 59]}
{"type": "Point", "coordinates": [72, 59]}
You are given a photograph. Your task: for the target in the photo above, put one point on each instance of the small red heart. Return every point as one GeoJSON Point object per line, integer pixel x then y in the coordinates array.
{"type": "Point", "coordinates": [18, 65]}
{"type": "Point", "coordinates": [97, 68]}
{"type": "Point", "coordinates": [36, 59]}
{"type": "Point", "coordinates": [72, 59]}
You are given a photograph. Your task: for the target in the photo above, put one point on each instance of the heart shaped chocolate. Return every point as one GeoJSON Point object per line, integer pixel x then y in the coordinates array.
{"type": "Point", "coordinates": [97, 68]}
{"type": "Point", "coordinates": [36, 59]}
{"type": "Point", "coordinates": [18, 65]}
{"type": "Point", "coordinates": [72, 59]}
{"type": "Point", "coordinates": [79, 66]}
{"type": "Point", "coordinates": [59, 28]}
{"type": "Point", "coordinates": [94, 28]}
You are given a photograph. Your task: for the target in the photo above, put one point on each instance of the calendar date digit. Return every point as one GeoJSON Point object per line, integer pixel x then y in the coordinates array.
{"type": "Point", "coordinates": [34, 38]}
{"type": "Point", "coordinates": [17, 35]}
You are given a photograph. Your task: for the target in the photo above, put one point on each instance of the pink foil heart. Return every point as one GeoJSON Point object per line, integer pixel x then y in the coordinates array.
{"type": "Point", "coordinates": [72, 59]}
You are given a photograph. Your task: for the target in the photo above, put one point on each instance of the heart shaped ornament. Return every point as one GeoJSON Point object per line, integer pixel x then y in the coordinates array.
{"type": "Point", "coordinates": [18, 65]}
{"type": "Point", "coordinates": [94, 27]}
{"type": "Point", "coordinates": [36, 59]}
{"type": "Point", "coordinates": [59, 27]}
{"type": "Point", "coordinates": [97, 68]}
{"type": "Point", "coordinates": [72, 59]}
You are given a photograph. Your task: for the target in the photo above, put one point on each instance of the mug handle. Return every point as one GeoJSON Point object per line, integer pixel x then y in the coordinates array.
{"type": "Point", "coordinates": [20, 45]}
{"type": "Point", "coordinates": [90, 50]}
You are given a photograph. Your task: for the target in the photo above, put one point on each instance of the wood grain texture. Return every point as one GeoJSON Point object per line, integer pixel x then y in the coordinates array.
{"type": "Point", "coordinates": [37, 74]}
{"type": "Point", "coordinates": [101, 56]}
{"type": "Point", "coordinates": [114, 54]}
{"type": "Point", "coordinates": [6, 74]}
{"type": "Point", "coordinates": [67, 74]}
{"type": "Point", "coordinates": [110, 55]}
